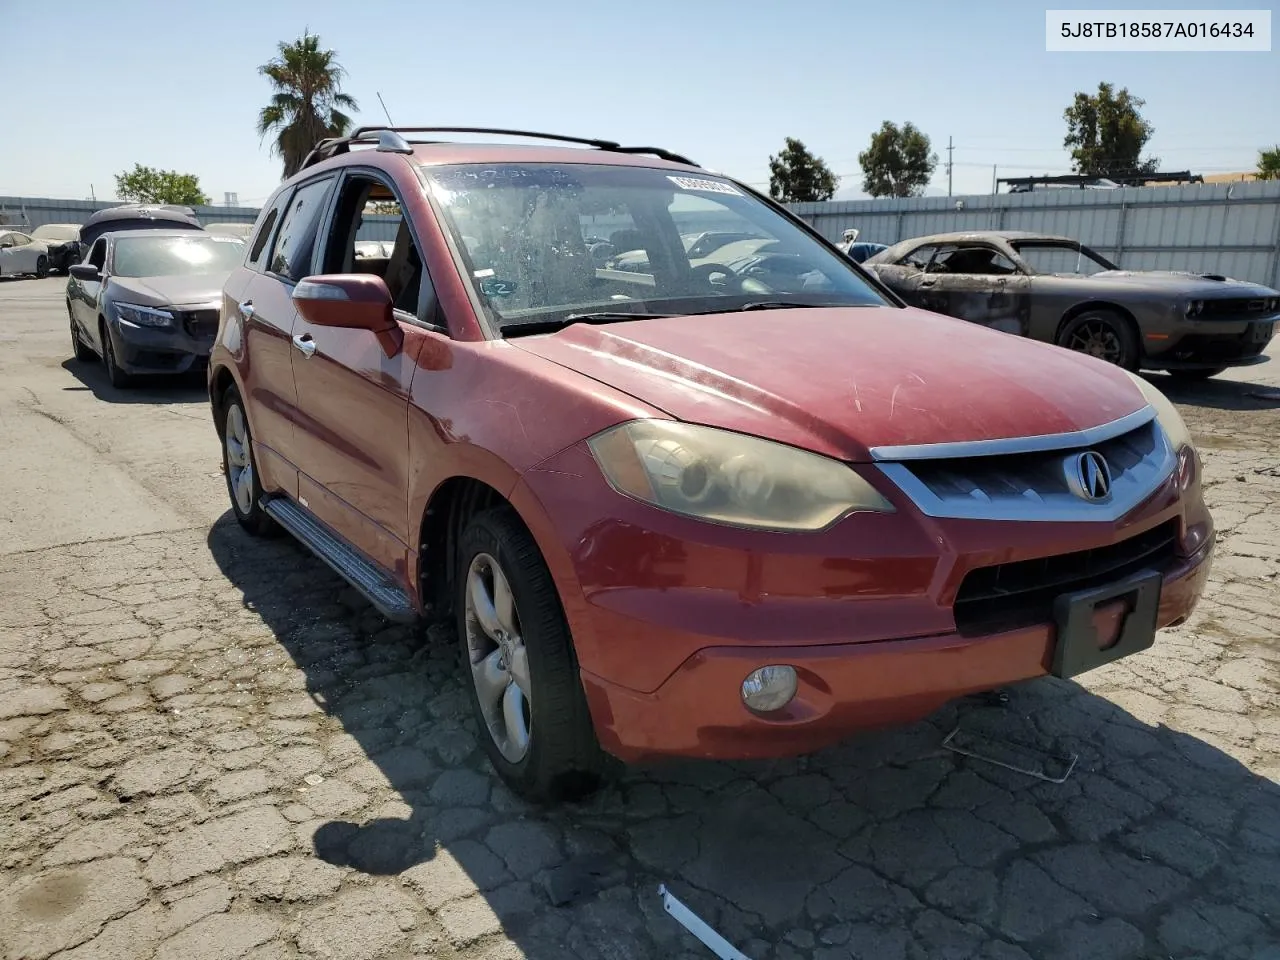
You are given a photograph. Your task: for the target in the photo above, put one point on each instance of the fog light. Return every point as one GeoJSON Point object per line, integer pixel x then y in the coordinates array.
{"type": "Point", "coordinates": [769, 688]}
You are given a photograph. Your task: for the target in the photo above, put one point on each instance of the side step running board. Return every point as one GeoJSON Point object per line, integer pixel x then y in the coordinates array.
{"type": "Point", "coordinates": [379, 589]}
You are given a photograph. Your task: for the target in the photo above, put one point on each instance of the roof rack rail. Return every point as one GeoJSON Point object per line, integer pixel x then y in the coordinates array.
{"type": "Point", "coordinates": [391, 140]}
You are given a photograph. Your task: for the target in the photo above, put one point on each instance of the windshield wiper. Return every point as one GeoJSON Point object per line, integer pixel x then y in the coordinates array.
{"type": "Point", "coordinates": [518, 328]}
{"type": "Point", "coordinates": [787, 305]}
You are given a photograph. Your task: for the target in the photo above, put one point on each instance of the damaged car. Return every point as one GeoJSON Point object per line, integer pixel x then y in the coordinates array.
{"type": "Point", "coordinates": [1055, 289]}
{"type": "Point", "coordinates": [146, 301]}
{"type": "Point", "coordinates": [694, 510]}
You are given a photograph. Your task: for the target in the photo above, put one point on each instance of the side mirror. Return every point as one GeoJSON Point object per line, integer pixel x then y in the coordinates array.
{"type": "Point", "coordinates": [85, 271]}
{"type": "Point", "coordinates": [356, 300]}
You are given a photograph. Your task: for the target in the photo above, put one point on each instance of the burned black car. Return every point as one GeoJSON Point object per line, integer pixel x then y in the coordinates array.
{"type": "Point", "coordinates": [1057, 290]}
{"type": "Point", "coordinates": [136, 216]}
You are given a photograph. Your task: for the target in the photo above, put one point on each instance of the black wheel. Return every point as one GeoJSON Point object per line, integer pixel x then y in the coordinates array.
{"type": "Point", "coordinates": [519, 664]}
{"type": "Point", "coordinates": [42, 267]}
{"type": "Point", "coordinates": [119, 379]}
{"type": "Point", "coordinates": [1202, 374]}
{"type": "Point", "coordinates": [79, 349]}
{"type": "Point", "coordinates": [240, 468]}
{"type": "Point", "coordinates": [1103, 334]}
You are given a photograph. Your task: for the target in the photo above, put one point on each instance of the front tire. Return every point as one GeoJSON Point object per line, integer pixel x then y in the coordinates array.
{"type": "Point", "coordinates": [519, 664]}
{"type": "Point", "coordinates": [241, 469]}
{"type": "Point", "coordinates": [1195, 375]}
{"type": "Point", "coordinates": [119, 378]}
{"type": "Point", "coordinates": [42, 267]}
{"type": "Point", "coordinates": [1104, 334]}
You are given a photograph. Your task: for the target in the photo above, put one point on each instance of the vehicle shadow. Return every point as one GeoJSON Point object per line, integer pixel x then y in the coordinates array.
{"type": "Point", "coordinates": [176, 388]}
{"type": "Point", "coordinates": [1218, 394]}
{"type": "Point", "coordinates": [886, 846]}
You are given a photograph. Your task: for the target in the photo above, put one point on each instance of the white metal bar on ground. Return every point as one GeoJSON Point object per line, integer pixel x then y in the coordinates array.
{"type": "Point", "coordinates": [717, 944]}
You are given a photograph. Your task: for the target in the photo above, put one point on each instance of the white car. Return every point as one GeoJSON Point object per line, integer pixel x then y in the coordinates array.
{"type": "Point", "coordinates": [21, 254]}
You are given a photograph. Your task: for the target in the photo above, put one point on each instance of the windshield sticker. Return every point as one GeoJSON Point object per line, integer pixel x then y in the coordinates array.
{"type": "Point", "coordinates": [486, 272]}
{"type": "Point", "coordinates": [706, 186]}
{"type": "Point", "coordinates": [497, 287]}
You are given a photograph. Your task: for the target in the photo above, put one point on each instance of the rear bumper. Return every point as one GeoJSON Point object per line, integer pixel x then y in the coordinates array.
{"type": "Point", "coordinates": [843, 688]}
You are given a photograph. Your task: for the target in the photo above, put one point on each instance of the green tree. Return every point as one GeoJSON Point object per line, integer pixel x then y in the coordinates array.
{"type": "Point", "coordinates": [898, 163]}
{"type": "Point", "coordinates": [1106, 134]}
{"type": "Point", "coordinates": [304, 108]}
{"type": "Point", "coordinates": [149, 185]}
{"type": "Point", "coordinates": [797, 176]}
{"type": "Point", "coordinates": [1269, 164]}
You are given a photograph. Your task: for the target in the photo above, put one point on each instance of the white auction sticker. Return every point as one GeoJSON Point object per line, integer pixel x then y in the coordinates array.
{"type": "Point", "coordinates": [707, 186]}
{"type": "Point", "coordinates": [1155, 31]}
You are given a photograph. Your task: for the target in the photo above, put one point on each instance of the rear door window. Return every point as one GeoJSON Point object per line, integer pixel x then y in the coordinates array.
{"type": "Point", "coordinates": [259, 244]}
{"type": "Point", "coordinates": [291, 256]}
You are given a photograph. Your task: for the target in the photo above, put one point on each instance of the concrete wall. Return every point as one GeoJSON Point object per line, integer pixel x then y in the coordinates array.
{"type": "Point", "coordinates": [1233, 229]}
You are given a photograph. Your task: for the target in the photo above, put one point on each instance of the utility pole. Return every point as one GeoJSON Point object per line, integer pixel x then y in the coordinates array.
{"type": "Point", "coordinates": [92, 196]}
{"type": "Point", "coordinates": [993, 180]}
{"type": "Point", "coordinates": [950, 148]}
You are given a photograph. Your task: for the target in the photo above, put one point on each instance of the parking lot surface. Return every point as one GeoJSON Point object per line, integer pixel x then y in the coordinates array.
{"type": "Point", "coordinates": [210, 748]}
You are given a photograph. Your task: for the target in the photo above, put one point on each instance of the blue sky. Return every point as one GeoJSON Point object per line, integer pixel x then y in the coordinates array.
{"type": "Point", "coordinates": [174, 84]}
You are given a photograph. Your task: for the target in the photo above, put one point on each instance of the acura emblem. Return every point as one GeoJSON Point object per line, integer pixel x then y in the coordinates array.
{"type": "Point", "coordinates": [1088, 475]}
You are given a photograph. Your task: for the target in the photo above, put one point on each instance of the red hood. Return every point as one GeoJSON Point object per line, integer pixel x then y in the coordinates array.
{"type": "Point", "coordinates": [840, 380]}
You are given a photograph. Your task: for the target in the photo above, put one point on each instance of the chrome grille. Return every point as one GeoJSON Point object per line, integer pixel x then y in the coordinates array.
{"type": "Point", "coordinates": [1032, 485]}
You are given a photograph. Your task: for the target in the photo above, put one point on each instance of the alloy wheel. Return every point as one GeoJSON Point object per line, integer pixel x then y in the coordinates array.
{"type": "Point", "coordinates": [1098, 339]}
{"type": "Point", "coordinates": [239, 463]}
{"type": "Point", "coordinates": [498, 657]}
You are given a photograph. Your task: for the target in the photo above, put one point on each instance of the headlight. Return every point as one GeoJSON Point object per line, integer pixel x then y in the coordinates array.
{"type": "Point", "coordinates": [1170, 420]}
{"type": "Point", "coordinates": [729, 477]}
{"type": "Point", "coordinates": [1194, 307]}
{"type": "Point", "coordinates": [143, 316]}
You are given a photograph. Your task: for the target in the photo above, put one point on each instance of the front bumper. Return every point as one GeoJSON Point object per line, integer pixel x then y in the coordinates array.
{"type": "Point", "coordinates": [1203, 344]}
{"type": "Point", "coordinates": [669, 616]}
{"type": "Point", "coordinates": [142, 350]}
{"type": "Point", "coordinates": [843, 688]}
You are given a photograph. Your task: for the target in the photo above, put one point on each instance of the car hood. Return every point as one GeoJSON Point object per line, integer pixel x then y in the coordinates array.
{"type": "Point", "coordinates": [1173, 281]}
{"type": "Point", "coordinates": [841, 380]}
{"type": "Point", "coordinates": [161, 291]}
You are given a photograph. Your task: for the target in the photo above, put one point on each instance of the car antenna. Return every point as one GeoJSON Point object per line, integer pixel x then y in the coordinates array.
{"type": "Point", "coordinates": [390, 122]}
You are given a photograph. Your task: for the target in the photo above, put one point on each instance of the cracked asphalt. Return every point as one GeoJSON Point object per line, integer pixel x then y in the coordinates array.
{"type": "Point", "coordinates": [210, 748]}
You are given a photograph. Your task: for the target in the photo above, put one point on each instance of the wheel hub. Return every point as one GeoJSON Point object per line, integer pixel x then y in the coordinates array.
{"type": "Point", "coordinates": [498, 658]}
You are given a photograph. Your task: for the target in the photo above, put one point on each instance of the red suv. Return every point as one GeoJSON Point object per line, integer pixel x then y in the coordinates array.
{"type": "Point", "coordinates": [732, 501]}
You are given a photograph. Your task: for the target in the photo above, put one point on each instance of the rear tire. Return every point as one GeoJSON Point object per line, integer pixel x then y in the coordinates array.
{"type": "Point", "coordinates": [549, 751]}
{"type": "Point", "coordinates": [42, 267]}
{"type": "Point", "coordinates": [1194, 375]}
{"type": "Point", "coordinates": [1104, 334]}
{"type": "Point", "coordinates": [240, 468]}
{"type": "Point", "coordinates": [119, 378]}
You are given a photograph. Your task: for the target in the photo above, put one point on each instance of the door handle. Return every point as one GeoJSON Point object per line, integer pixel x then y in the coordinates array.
{"type": "Point", "coordinates": [928, 282]}
{"type": "Point", "coordinates": [246, 309]}
{"type": "Point", "coordinates": [304, 343]}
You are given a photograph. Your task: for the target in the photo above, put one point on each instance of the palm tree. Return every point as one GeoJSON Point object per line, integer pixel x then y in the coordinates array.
{"type": "Point", "coordinates": [304, 107]}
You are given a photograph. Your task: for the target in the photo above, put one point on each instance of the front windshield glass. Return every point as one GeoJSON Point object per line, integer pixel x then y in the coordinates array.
{"type": "Point", "coordinates": [1061, 258]}
{"type": "Point", "coordinates": [540, 242]}
{"type": "Point", "coordinates": [175, 256]}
